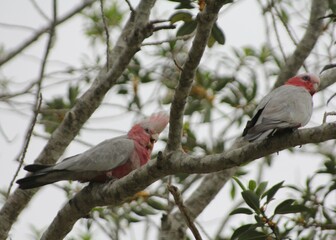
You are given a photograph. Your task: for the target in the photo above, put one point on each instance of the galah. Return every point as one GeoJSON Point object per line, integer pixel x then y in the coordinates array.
{"type": "Point", "coordinates": [112, 158]}
{"type": "Point", "coordinates": [287, 107]}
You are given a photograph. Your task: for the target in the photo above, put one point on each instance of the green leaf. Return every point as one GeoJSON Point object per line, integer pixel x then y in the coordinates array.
{"type": "Point", "coordinates": [207, 113]}
{"type": "Point", "coordinates": [253, 235]}
{"type": "Point", "coordinates": [242, 211]}
{"type": "Point", "coordinates": [272, 191]}
{"type": "Point", "coordinates": [252, 200]}
{"type": "Point", "coordinates": [261, 188]}
{"type": "Point", "coordinates": [252, 185]}
{"type": "Point", "coordinates": [187, 28]}
{"type": "Point", "coordinates": [241, 230]}
{"type": "Point", "coordinates": [142, 211]}
{"type": "Point", "coordinates": [332, 6]}
{"type": "Point", "coordinates": [180, 16]}
{"type": "Point", "coordinates": [239, 183]}
{"type": "Point", "coordinates": [131, 219]}
{"type": "Point", "coordinates": [211, 41]}
{"type": "Point", "coordinates": [283, 206]}
{"type": "Point", "coordinates": [218, 34]}
{"type": "Point", "coordinates": [233, 191]}
{"type": "Point", "coordinates": [286, 207]}
{"type": "Point", "coordinates": [156, 204]}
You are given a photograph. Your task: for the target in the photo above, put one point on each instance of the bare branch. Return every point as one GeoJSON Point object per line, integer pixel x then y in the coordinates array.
{"type": "Point", "coordinates": [130, 6]}
{"type": "Point", "coordinates": [326, 114]}
{"type": "Point", "coordinates": [184, 38]}
{"type": "Point", "coordinates": [38, 96]}
{"type": "Point", "coordinates": [307, 43]}
{"type": "Point", "coordinates": [107, 35]}
{"type": "Point", "coordinates": [328, 77]}
{"type": "Point", "coordinates": [22, 155]}
{"type": "Point", "coordinates": [198, 200]}
{"type": "Point", "coordinates": [206, 19]}
{"type": "Point", "coordinates": [9, 55]}
{"type": "Point", "coordinates": [12, 26]}
{"type": "Point", "coordinates": [113, 193]}
{"type": "Point", "coordinates": [184, 210]}
{"type": "Point", "coordinates": [39, 10]}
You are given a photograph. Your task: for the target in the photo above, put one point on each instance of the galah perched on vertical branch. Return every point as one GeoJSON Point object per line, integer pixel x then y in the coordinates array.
{"type": "Point", "coordinates": [287, 107]}
{"type": "Point", "coordinates": [112, 158]}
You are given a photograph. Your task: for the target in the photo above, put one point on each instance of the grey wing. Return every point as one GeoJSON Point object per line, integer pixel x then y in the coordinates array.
{"type": "Point", "coordinates": [289, 107]}
{"type": "Point", "coordinates": [285, 107]}
{"type": "Point", "coordinates": [107, 155]}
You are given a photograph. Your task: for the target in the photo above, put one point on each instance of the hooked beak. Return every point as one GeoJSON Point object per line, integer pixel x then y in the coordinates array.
{"type": "Point", "coordinates": [153, 139]}
{"type": "Point", "coordinates": [316, 85]}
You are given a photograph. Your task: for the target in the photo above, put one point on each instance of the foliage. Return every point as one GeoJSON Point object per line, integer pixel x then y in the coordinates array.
{"type": "Point", "coordinates": [307, 215]}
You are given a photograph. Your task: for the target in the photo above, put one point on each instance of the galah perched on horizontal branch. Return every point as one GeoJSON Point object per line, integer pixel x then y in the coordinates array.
{"type": "Point", "coordinates": [287, 107]}
{"type": "Point", "coordinates": [112, 158]}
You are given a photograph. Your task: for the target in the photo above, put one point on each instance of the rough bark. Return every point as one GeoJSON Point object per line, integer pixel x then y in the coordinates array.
{"type": "Point", "coordinates": [206, 19]}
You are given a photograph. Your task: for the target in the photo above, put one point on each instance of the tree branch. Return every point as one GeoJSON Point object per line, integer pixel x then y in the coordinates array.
{"type": "Point", "coordinates": [38, 95]}
{"type": "Point", "coordinates": [206, 19]}
{"type": "Point", "coordinates": [9, 55]}
{"type": "Point", "coordinates": [126, 46]}
{"type": "Point", "coordinates": [198, 200]}
{"type": "Point", "coordinates": [184, 211]}
{"type": "Point", "coordinates": [113, 193]}
{"type": "Point", "coordinates": [307, 43]}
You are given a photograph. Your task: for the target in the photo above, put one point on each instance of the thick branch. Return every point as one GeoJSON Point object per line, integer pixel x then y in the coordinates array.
{"type": "Point", "coordinates": [177, 162]}
{"type": "Point", "coordinates": [125, 49]}
{"type": "Point", "coordinates": [307, 43]}
{"type": "Point", "coordinates": [328, 77]}
{"type": "Point", "coordinates": [43, 30]}
{"type": "Point", "coordinates": [206, 19]}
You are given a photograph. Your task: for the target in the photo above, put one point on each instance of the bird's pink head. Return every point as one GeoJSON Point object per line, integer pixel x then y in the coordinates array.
{"type": "Point", "coordinates": [147, 131]}
{"type": "Point", "coordinates": [308, 81]}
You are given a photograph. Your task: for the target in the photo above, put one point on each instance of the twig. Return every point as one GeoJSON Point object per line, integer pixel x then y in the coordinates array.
{"type": "Point", "coordinates": [326, 114]}
{"type": "Point", "coordinates": [27, 141]}
{"type": "Point", "coordinates": [130, 6]}
{"type": "Point", "coordinates": [39, 10]}
{"type": "Point", "coordinates": [23, 91]}
{"type": "Point", "coordinates": [38, 100]}
{"type": "Point", "coordinates": [107, 35]}
{"type": "Point", "coordinates": [2, 131]}
{"type": "Point", "coordinates": [12, 26]}
{"type": "Point", "coordinates": [185, 37]}
{"type": "Point", "coordinates": [277, 34]}
{"type": "Point", "coordinates": [331, 98]}
{"type": "Point", "coordinates": [179, 202]}
{"type": "Point", "coordinates": [177, 65]}
{"type": "Point", "coordinates": [9, 55]}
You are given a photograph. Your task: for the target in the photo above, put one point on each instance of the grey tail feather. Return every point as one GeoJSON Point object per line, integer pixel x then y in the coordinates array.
{"type": "Point", "coordinates": [35, 167]}
{"type": "Point", "coordinates": [33, 181]}
{"type": "Point", "coordinates": [43, 177]}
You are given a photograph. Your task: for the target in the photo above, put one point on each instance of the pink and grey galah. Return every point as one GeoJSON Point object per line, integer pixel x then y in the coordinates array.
{"type": "Point", "coordinates": [287, 107]}
{"type": "Point", "coordinates": [112, 158]}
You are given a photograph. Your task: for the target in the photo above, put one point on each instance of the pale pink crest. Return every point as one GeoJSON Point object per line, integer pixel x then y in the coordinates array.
{"type": "Point", "coordinates": [156, 122]}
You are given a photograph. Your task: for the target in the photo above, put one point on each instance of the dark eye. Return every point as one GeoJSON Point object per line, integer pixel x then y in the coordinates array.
{"type": "Point", "coordinates": [306, 78]}
{"type": "Point", "coordinates": [147, 130]}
